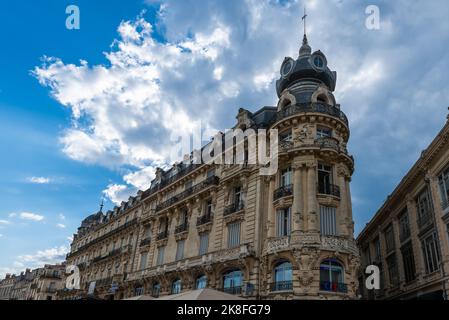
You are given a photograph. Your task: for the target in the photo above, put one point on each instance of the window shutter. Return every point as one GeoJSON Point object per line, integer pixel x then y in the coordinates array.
{"type": "Point", "coordinates": [328, 221]}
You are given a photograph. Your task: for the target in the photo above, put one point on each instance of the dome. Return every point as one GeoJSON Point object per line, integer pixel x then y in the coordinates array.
{"type": "Point", "coordinates": [309, 66]}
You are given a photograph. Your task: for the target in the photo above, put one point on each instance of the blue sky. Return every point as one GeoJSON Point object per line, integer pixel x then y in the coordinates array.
{"type": "Point", "coordinates": [84, 112]}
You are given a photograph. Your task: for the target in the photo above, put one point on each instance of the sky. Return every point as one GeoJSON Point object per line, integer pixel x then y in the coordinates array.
{"type": "Point", "coordinates": [85, 114]}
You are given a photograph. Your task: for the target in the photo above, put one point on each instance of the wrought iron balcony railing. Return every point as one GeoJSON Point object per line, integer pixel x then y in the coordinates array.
{"type": "Point", "coordinates": [233, 208]}
{"type": "Point", "coordinates": [233, 290]}
{"type": "Point", "coordinates": [211, 181]}
{"type": "Point", "coordinates": [145, 242]}
{"type": "Point", "coordinates": [182, 228]}
{"type": "Point", "coordinates": [112, 253]}
{"type": "Point", "coordinates": [162, 235]}
{"type": "Point", "coordinates": [205, 219]}
{"type": "Point", "coordinates": [312, 107]}
{"type": "Point", "coordinates": [333, 286]}
{"type": "Point", "coordinates": [445, 203]}
{"type": "Point", "coordinates": [327, 143]}
{"type": "Point", "coordinates": [282, 192]}
{"type": "Point", "coordinates": [329, 189]}
{"type": "Point", "coordinates": [281, 286]}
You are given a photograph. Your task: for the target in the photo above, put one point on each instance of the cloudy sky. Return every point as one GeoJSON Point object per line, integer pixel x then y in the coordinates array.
{"type": "Point", "coordinates": [86, 113]}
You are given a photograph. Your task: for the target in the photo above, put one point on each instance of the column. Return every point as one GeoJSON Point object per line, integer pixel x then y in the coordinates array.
{"type": "Point", "coordinates": [297, 208]}
{"type": "Point", "coordinates": [312, 219]}
{"type": "Point", "coordinates": [343, 209]}
{"type": "Point", "coordinates": [417, 252]}
{"type": "Point", "coordinates": [271, 217]}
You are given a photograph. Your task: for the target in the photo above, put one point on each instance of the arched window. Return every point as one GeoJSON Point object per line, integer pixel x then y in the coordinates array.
{"type": "Point", "coordinates": [233, 282]}
{"type": "Point", "coordinates": [283, 276]}
{"type": "Point", "coordinates": [201, 282]}
{"type": "Point", "coordinates": [156, 290]}
{"type": "Point", "coordinates": [176, 286]}
{"type": "Point", "coordinates": [332, 276]}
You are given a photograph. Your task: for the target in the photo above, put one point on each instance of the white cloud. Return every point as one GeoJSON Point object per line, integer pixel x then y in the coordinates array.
{"type": "Point", "coordinates": [118, 193]}
{"type": "Point", "coordinates": [211, 62]}
{"type": "Point", "coordinates": [61, 216]}
{"type": "Point", "coordinates": [39, 180]}
{"type": "Point", "coordinates": [60, 226]}
{"type": "Point", "coordinates": [4, 222]}
{"type": "Point", "coordinates": [36, 260]}
{"type": "Point", "coordinates": [31, 216]}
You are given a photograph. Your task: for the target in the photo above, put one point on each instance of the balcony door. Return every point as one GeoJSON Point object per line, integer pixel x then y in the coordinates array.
{"type": "Point", "coordinates": [324, 179]}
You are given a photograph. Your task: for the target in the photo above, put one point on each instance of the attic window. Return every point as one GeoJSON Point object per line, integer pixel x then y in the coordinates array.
{"type": "Point", "coordinates": [285, 103]}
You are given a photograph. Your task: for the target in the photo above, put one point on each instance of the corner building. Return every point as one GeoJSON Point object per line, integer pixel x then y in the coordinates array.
{"type": "Point", "coordinates": [285, 236]}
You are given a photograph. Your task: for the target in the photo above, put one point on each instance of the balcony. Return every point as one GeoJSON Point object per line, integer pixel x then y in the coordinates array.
{"type": "Point", "coordinates": [233, 208]}
{"type": "Point", "coordinates": [281, 286]}
{"type": "Point", "coordinates": [211, 181]}
{"type": "Point", "coordinates": [327, 143]}
{"type": "Point", "coordinates": [162, 235]}
{"type": "Point", "coordinates": [329, 189]}
{"type": "Point", "coordinates": [445, 204]}
{"type": "Point", "coordinates": [112, 254]}
{"type": "Point", "coordinates": [103, 282]}
{"type": "Point", "coordinates": [205, 219]}
{"type": "Point", "coordinates": [282, 192]}
{"type": "Point", "coordinates": [182, 228]}
{"type": "Point", "coordinates": [312, 108]}
{"type": "Point", "coordinates": [233, 290]}
{"type": "Point", "coordinates": [333, 287]}
{"type": "Point", "coordinates": [145, 242]}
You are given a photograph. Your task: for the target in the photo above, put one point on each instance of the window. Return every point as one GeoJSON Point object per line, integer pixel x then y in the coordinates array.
{"type": "Point", "coordinates": [323, 132]}
{"type": "Point", "coordinates": [286, 177]}
{"type": "Point", "coordinates": [286, 136]}
{"type": "Point", "coordinates": [233, 235]}
{"type": "Point", "coordinates": [201, 282]}
{"type": "Point", "coordinates": [176, 286]}
{"type": "Point", "coordinates": [389, 239]}
{"type": "Point", "coordinates": [331, 276]}
{"type": "Point", "coordinates": [160, 256]}
{"type": "Point", "coordinates": [377, 250]}
{"type": "Point", "coordinates": [443, 181]}
{"type": "Point", "coordinates": [143, 260]}
{"type": "Point", "coordinates": [180, 250]}
{"type": "Point", "coordinates": [138, 291]}
{"type": "Point", "coordinates": [284, 222]}
{"type": "Point", "coordinates": [147, 232]}
{"type": "Point", "coordinates": [431, 253]}
{"type": "Point", "coordinates": [188, 185]}
{"type": "Point", "coordinates": [283, 276]}
{"type": "Point", "coordinates": [233, 282]}
{"type": "Point", "coordinates": [238, 195]}
{"type": "Point", "coordinates": [156, 290]}
{"type": "Point", "coordinates": [328, 221]}
{"type": "Point", "coordinates": [210, 173]}
{"type": "Point", "coordinates": [408, 261]}
{"type": "Point", "coordinates": [393, 270]}
{"type": "Point", "coordinates": [209, 207]}
{"type": "Point", "coordinates": [404, 227]}
{"type": "Point", "coordinates": [324, 179]}
{"type": "Point", "coordinates": [204, 243]}
{"type": "Point", "coordinates": [424, 208]}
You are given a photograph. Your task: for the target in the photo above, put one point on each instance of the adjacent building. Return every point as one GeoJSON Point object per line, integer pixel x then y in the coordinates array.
{"type": "Point", "coordinates": [288, 235]}
{"type": "Point", "coordinates": [408, 237]}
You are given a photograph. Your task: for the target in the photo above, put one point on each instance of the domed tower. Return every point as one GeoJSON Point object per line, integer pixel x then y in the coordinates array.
{"type": "Point", "coordinates": [310, 251]}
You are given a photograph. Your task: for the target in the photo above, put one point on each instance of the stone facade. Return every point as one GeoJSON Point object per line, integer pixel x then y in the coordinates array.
{"type": "Point", "coordinates": [408, 236]}
{"type": "Point", "coordinates": [284, 236]}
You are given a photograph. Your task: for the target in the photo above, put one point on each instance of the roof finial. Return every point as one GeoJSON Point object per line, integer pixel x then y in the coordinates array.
{"type": "Point", "coordinates": [304, 18]}
{"type": "Point", "coordinates": [102, 205]}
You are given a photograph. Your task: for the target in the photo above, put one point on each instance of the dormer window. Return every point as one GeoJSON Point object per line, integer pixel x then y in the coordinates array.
{"type": "Point", "coordinates": [318, 62]}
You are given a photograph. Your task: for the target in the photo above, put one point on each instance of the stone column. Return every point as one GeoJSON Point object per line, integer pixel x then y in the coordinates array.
{"type": "Point", "coordinates": [398, 253]}
{"type": "Point", "coordinates": [297, 210]}
{"type": "Point", "coordinates": [312, 205]}
{"type": "Point", "coordinates": [343, 209]}
{"type": "Point", "coordinates": [271, 217]}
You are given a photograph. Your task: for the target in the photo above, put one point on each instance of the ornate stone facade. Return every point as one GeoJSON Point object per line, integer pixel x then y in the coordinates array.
{"type": "Point", "coordinates": [285, 236]}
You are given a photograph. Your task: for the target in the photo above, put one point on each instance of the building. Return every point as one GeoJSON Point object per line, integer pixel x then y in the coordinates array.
{"type": "Point", "coordinates": [6, 286]}
{"type": "Point", "coordinates": [227, 227]}
{"type": "Point", "coordinates": [408, 237]}
{"type": "Point", "coordinates": [47, 282]}
{"type": "Point", "coordinates": [104, 250]}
